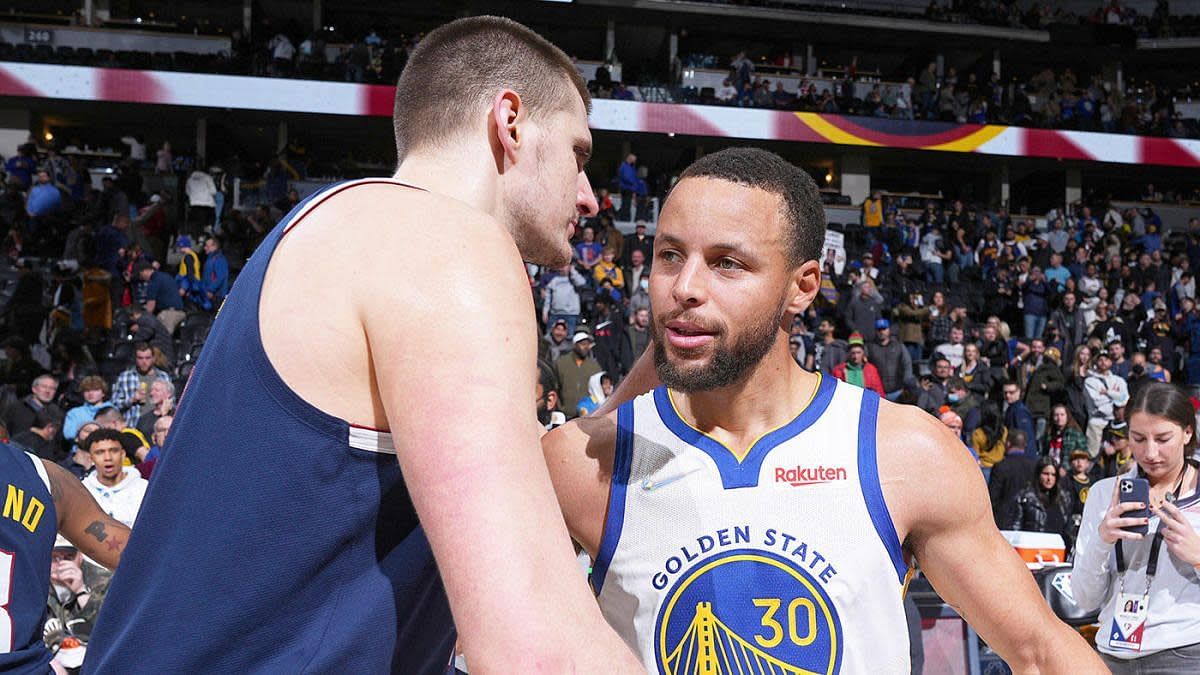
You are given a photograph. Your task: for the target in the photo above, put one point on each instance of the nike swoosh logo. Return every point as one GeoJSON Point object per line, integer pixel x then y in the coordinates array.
{"type": "Point", "coordinates": [651, 485]}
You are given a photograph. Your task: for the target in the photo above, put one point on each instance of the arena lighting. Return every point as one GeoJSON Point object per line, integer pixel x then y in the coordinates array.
{"type": "Point", "coordinates": [670, 134]}
{"type": "Point", "coordinates": [829, 176]}
{"type": "Point", "coordinates": [49, 136]}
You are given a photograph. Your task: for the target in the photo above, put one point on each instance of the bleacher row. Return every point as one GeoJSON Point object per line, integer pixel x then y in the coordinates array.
{"type": "Point", "coordinates": [105, 58]}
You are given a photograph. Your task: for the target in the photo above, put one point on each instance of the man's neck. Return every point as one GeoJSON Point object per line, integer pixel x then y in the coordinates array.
{"type": "Point", "coordinates": [468, 177]}
{"type": "Point", "coordinates": [769, 396]}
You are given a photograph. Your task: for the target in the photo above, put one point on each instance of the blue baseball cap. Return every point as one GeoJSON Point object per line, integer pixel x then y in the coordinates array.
{"type": "Point", "coordinates": [880, 324]}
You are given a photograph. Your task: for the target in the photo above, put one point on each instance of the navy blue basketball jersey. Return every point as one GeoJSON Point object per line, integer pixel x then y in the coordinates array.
{"type": "Point", "coordinates": [27, 531]}
{"type": "Point", "coordinates": [274, 538]}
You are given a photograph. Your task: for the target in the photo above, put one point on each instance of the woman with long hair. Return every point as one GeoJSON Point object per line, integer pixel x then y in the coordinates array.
{"type": "Point", "coordinates": [1076, 373]}
{"type": "Point", "coordinates": [1063, 436]}
{"type": "Point", "coordinates": [1043, 506]}
{"type": "Point", "coordinates": [1147, 586]}
{"type": "Point", "coordinates": [989, 437]}
{"type": "Point", "coordinates": [973, 371]}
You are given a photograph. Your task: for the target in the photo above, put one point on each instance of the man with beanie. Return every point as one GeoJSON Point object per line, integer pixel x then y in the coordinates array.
{"type": "Point", "coordinates": [855, 369]}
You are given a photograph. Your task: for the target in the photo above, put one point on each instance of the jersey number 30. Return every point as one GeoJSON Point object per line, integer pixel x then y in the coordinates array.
{"type": "Point", "coordinates": [807, 619]}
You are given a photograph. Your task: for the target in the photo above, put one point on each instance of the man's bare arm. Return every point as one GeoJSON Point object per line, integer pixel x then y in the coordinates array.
{"type": "Point", "coordinates": [476, 474]}
{"type": "Point", "coordinates": [579, 455]}
{"type": "Point", "coordinates": [81, 521]}
{"type": "Point", "coordinates": [939, 502]}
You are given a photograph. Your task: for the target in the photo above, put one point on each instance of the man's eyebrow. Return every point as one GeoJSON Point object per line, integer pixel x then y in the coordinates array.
{"type": "Point", "coordinates": [724, 246]}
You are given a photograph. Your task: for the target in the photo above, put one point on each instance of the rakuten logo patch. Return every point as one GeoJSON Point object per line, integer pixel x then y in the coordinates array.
{"type": "Point", "coordinates": [807, 475]}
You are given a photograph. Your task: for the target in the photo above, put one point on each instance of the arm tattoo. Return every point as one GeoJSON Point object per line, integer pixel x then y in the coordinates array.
{"type": "Point", "coordinates": [96, 529]}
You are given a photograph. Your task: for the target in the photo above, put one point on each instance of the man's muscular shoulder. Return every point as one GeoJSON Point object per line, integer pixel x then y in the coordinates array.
{"type": "Point", "coordinates": [924, 469]}
{"type": "Point", "coordinates": [579, 455]}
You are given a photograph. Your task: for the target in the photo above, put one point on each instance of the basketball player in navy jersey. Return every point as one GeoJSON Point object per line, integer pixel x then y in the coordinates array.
{"type": "Point", "coordinates": [320, 483]}
{"type": "Point", "coordinates": [750, 513]}
{"type": "Point", "coordinates": [40, 500]}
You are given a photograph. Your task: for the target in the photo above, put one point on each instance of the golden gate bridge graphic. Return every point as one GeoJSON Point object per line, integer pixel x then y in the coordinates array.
{"type": "Point", "coordinates": [709, 647]}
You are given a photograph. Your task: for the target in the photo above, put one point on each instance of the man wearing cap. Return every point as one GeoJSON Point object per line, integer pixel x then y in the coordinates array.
{"type": "Point", "coordinates": [162, 296]}
{"type": "Point", "coordinates": [1116, 456]}
{"type": "Point", "coordinates": [556, 339]}
{"type": "Point", "coordinates": [855, 369]}
{"type": "Point", "coordinates": [890, 358]}
{"type": "Point", "coordinates": [574, 369]}
{"type": "Point", "coordinates": [1079, 482]}
{"type": "Point", "coordinates": [1105, 393]}
{"type": "Point", "coordinates": [188, 278]}
{"type": "Point", "coordinates": [77, 590]}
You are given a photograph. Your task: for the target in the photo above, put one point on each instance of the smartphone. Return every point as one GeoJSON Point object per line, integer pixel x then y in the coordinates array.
{"type": "Point", "coordinates": [1135, 490]}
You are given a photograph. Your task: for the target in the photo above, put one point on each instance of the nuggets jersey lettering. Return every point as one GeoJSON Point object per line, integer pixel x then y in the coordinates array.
{"type": "Point", "coordinates": [28, 525]}
{"type": "Point", "coordinates": [273, 538]}
{"type": "Point", "coordinates": [784, 562]}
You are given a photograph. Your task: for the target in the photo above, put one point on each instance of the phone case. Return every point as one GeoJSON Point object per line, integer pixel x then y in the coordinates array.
{"type": "Point", "coordinates": [1135, 490]}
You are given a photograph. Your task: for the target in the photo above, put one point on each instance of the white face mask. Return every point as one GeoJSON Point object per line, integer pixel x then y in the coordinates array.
{"type": "Point", "coordinates": [644, 284]}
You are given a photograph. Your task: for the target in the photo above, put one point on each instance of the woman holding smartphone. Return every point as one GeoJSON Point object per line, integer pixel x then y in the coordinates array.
{"type": "Point", "coordinates": [1147, 586]}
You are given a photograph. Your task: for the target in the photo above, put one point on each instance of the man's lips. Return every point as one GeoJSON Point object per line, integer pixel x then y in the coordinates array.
{"type": "Point", "coordinates": [687, 335]}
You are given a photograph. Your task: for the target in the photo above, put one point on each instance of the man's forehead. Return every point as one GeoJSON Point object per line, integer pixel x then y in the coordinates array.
{"type": "Point", "coordinates": [720, 209]}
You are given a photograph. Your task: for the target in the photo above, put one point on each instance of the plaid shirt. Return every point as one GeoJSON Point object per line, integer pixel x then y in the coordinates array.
{"type": "Point", "coordinates": [124, 390]}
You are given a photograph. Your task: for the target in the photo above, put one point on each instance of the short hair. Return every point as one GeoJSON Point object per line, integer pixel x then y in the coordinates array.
{"type": "Point", "coordinates": [756, 168]}
{"type": "Point", "coordinates": [102, 434]}
{"type": "Point", "coordinates": [1012, 383]}
{"type": "Point", "coordinates": [106, 412]}
{"type": "Point", "coordinates": [1017, 438]}
{"type": "Point", "coordinates": [456, 70]}
{"type": "Point", "coordinates": [142, 347]}
{"type": "Point", "coordinates": [45, 376]}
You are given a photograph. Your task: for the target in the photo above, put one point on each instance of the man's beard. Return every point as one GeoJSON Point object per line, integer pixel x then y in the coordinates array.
{"type": "Point", "coordinates": [729, 361]}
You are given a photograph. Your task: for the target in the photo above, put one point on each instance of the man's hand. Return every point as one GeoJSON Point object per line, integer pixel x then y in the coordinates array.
{"type": "Point", "coordinates": [67, 573]}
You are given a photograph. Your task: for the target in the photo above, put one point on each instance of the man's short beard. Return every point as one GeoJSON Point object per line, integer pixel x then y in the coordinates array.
{"type": "Point", "coordinates": [729, 362]}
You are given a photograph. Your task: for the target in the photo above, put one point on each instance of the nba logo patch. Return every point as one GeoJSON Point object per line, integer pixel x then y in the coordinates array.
{"type": "Point", "coordinates": [747, 611]}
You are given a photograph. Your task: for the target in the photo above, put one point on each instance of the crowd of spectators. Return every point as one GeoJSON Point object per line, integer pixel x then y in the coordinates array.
{"type": "Point", "coordinates": [1031, 15]}
{"type": "Point", "coordinates": [107, 296]}
{"type": "Point", "coordinates": [1028, 342]}
{"type": "Point", "coordinates": [1048, 99]}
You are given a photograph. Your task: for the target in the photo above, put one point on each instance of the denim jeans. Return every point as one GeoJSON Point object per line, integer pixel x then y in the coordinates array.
{"type": "Point", "coordinates": [934, 273]}
{"type": "Point", "coordinates": [1184, 659]}
{"type": "Point", "coordinates": [1034, 326]}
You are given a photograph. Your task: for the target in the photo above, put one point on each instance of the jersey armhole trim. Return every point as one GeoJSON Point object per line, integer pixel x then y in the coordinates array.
{"type": "Point", "coordinates": [868, 478]}
{"type": "Point", "coordinates": [41, 471]}
{"type": "Point", "coordinates": [614, 520]}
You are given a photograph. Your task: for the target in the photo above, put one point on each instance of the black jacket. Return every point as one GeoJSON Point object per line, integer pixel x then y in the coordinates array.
{"type": "Point", "coordinates": [1009, 477]}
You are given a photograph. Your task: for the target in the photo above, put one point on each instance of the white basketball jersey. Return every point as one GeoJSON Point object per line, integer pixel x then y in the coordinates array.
{"type": "Point", "coordinates": [786, 561]}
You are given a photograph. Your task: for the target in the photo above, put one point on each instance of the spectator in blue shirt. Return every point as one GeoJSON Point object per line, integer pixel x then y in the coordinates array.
{"type": "Point", "coordinates": [1056, 273]}
{"type": "Point", "coordinates": [162, 296]}
{"type": "Point", "coordinates": [630, 185]}
{"type": "Point", "coordinates": [215, 275]}
{"type": "Point", "coordinates": [1017, 416]}
{"type": "Point", "coordinates": [110, 241]}
{"type": "Point", "coordinates": [22, 165]}
{"type": "Point", "coordinates": [44, 200]}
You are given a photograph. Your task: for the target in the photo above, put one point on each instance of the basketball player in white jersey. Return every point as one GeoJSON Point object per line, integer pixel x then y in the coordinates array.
{"type": "Point", "coordinates": [750, 516]}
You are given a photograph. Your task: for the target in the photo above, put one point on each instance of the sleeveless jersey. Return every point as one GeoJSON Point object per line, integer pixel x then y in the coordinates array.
{"type": "Point", "coordinates": [784, 562]}
{"type": "Point", "coordinates": [274, 538]}
{"type": "Point", "coordinates": [27, 531]}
